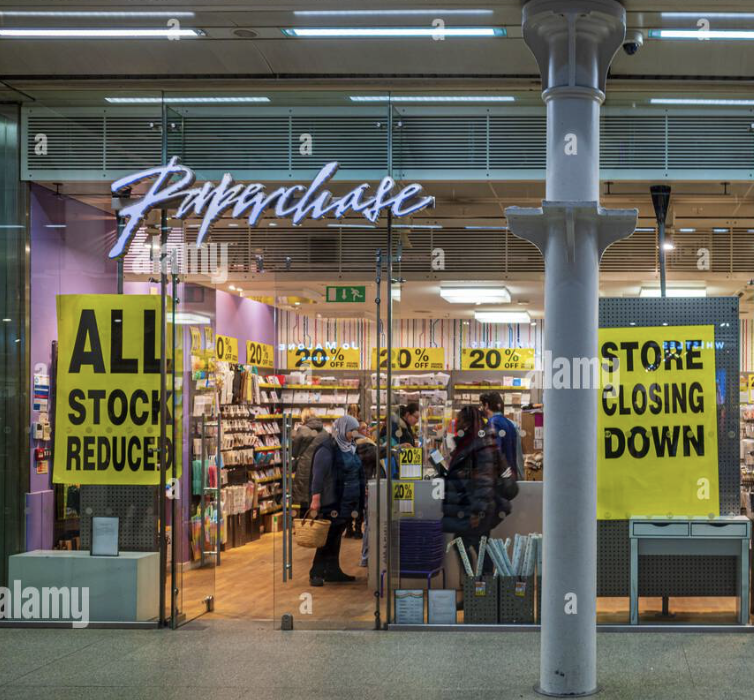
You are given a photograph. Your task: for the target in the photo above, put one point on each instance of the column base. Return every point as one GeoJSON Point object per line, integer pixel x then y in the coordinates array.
{"type": "Point", "coordinates": [539, 691]}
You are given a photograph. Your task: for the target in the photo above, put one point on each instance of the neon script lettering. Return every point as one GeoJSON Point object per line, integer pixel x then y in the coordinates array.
{"type": "Point", "coordinates": [174, 182]}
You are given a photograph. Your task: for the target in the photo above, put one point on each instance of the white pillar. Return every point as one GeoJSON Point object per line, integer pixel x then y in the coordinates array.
{"type": "Point", "coordinates": [574, 42]}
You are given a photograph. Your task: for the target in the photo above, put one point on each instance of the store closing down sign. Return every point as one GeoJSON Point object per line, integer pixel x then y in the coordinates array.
{"type": "Point", "coordinates": [172, 182]}
{"type": "Point", "coordinates": [259, 354]}
{"type": "Point", "coordinates": [329, 358]}
{"type": "Point", "coordinates": [226, 348]}
{"type": "Point", "coordinates": [411, 358]}
{"type": "Point", "coordinates": [657, 423]}
{"type": "Point", "coordinates": [108, 390]}
{"type": "Point", "coordinates": [494, 358]}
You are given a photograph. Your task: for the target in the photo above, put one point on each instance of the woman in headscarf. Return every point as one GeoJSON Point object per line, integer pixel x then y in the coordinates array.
{"type": "Point", "coordinates": [338, 493]}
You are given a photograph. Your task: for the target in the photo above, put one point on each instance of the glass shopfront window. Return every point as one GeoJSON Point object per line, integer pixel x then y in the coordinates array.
{"type": "Point", "coordinates": [339, 423]}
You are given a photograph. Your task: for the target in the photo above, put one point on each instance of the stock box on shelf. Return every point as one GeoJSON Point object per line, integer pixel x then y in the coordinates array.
{"type": "Point", "coordinates": [516, 599]}
{"type": "Point", "coordinates": [480, 600]}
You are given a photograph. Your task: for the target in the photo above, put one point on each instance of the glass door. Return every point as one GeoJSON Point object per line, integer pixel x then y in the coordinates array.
{"type": "Point", "coordinates": [192, 494]}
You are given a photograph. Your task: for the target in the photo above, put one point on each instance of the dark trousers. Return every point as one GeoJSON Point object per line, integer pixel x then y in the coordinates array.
{"type": "Point", "coordinates": [326, 559]}
{"type": "Point", "coordinates": [472, 542]}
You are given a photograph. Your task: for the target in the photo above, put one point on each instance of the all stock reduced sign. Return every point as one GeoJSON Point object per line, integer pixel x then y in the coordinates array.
{"type": "Point", "coordinates": [657, 423]}
{"type": "Point", "coordinates": [108, 390]}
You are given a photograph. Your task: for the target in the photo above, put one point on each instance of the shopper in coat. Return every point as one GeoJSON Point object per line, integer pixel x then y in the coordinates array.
{"type": "Point", "coordinates": [337, 492]}
{"type": "Point", "coordinates": [505, 430]}
{"type": "Point", "coordinates": [305, 444]}
{"type": "Point", "coordinates": [473, 503]}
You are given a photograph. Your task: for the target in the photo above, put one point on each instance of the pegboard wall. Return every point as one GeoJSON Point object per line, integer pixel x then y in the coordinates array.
{"type": "Point", "coordinates": [680, 575]}
{"type": "Point", "coordinates": [136, 506]}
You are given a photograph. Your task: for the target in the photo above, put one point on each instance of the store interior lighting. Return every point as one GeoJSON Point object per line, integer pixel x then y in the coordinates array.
{"type": "Point", "coordinates": [184, 100]}
{"type": "Point", "coordinates": [388, 13]}
{"type": "Point", "coordinates": [704, 35]}
{"type": "Point", "coordinates": [502, 316]}
{"type": "Point", "coordinates": [393, 32]}
{"type": "Point", "coordinates": [124, 33]}
{"type": "Point", "coordinates": [701, 101]}
{"type": "Point", "coordinates": [432, 98]}
{"type": "Point", "coordinates": [100, 14]}
{"type": "Point", "coordinates": [184, 318]}
{"type": "Point", "coordinates": [464, 294]}
{"type": "Point", "coordinates": [673, 292]}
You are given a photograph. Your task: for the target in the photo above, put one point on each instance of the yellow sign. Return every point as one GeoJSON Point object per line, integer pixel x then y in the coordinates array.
{"type": "Point", "coordinates": [497, 358]}
{"type": "Point", "coordinates": [410, 464]}
{"type": "Point", "coordinates": [411, 358]}
{"type": "Point", "coordinates": [657, 423]}
{"type": "Point", "coordinates": [327, 358]}
{"type": "Point", "coordinates": [108, 391]}
{"type": "Point", "coordinates": [196, 339]}
{"type": "Point", "coordinates": [209, 338]}
{"type": "Point", "coordinates": [403, 494]}
{"type": "Point", "coordinates": [226, 348]}
{"type": "Point", "coordinates": [260, 354]}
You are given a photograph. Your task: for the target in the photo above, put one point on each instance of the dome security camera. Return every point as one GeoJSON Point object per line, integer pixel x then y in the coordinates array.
{"type": "Point", "coordinates": [633, 42]}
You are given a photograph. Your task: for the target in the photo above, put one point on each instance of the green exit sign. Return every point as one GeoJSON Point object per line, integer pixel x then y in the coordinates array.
{"type": "Point", "coordinates": [346, 294]}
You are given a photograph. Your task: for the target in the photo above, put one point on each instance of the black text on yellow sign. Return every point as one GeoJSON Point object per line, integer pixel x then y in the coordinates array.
{"type": "Point", "coordinates": [226, 348]}
{"type": "Point", "coordinates": [108, 391]}
{"type": "Point", "coordinates": [327, 358]}
{"type": "Point", "coordinates": [259, 354]}
{"type": "Point", "coordinates": [497, 358]}
{"type": "Point", "coordinates": [411, 358]}
{"type": "Point", "coordinates": [410, 463]}
{"type": "Point", "coordinates": [657, 423]}
{"type": "Point", "coordinates": [403, 493]}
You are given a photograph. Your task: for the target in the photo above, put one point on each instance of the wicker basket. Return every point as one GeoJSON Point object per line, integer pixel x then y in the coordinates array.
{"type": "Point", "coordinates": [309, 532]}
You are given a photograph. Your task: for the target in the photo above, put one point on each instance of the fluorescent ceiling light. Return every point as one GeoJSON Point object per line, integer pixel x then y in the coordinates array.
{"type": "Point", "coordinates": [701, 35]}
{"type": "Point", "coordinates": [687, 230]}
{"type": "Point", "coordinates": [645, 230]}
{"type": "Point", "coordinates": [668, 246]}
{"type": "Point", "coordinates": [133, 33]}
{"type": "Point", "coordinates": [502, 316]}
{"type": "Point", "coordinates": [183, 100]}
{"type": "Point", "coordinates": [464, 294]}
{"type": "Point", "coordinates": [81, 13]}
{"type": "Point", "coordinates": [55, 225]}
{"type": "Point", "coordinates": [432, 98]}
{"type": "Point", "coordinates": [391, 32]}
{"type": "Point", "coordinates": [719, 230]}
{"type": "Point", "coordinates": [698, 101]}
{"type": "Point", "coordinates": [351, 226]}
{"type": "Point", "coordinates": [183, 318]}
{"type": "Point", "coordinates": [372, 13]}
{"type": "Point", "coordinates": [714, 15]}
{"type": "Point", "coordinates": [672, 292]}
{"type": "Point", "coordinates": [425, 226]}
{"type": "Point", "coordinates": [486, 228]}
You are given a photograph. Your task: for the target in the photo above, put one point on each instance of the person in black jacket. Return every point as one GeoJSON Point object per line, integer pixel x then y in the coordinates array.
{"type": "Point", "coordinates": [306, 440]}
{"type": "Point", "coordinates": [474, 495]}
{"type": "Point", "coordinates": [338, 493]}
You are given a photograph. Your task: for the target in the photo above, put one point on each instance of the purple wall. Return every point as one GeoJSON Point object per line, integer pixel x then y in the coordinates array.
{"type": "Point", "coordinates": [69, 260]}
{"type": "Point", "coordinates": [244, 319]}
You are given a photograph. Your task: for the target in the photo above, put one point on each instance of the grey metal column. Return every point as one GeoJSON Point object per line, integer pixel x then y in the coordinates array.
{"type": "Point", "coordinates": [574, 42]}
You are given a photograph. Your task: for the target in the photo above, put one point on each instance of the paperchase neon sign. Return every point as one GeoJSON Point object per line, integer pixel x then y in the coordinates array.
{"type": "Point", "coordinates": [174, 182]}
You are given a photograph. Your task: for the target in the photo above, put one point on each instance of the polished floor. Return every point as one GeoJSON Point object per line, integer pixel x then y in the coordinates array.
{"type": "Point", "coordinates": [234, 660]}
{"type": "Point", "coordinates": [249, 586]}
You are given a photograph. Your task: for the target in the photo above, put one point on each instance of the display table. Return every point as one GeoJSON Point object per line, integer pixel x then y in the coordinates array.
{"type": "Point", "coordinates": [121, 589]}
{"type": "Point", "coordinates": [724, 536]}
